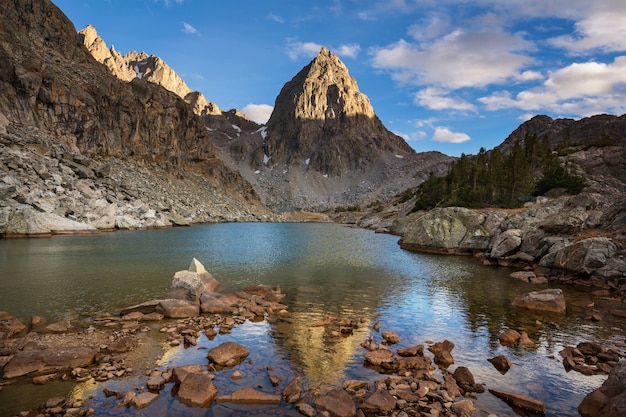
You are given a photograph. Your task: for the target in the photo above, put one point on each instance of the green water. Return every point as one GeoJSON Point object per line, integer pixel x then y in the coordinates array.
{"type": "Point", "coordinates": [325, 269]}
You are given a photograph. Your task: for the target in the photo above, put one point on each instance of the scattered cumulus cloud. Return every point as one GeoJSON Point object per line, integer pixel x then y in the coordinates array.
{"type": "Point", "coordinates": [437, 99]}
{"type": "Point", "coordinates": [459, 59]}
{"type": "Point", "coordinates": [259, 113]}
{"type": "Point", "coordinates": [297, 49]}
{"type": "Point", "coordinates": [603, 30]}
{"type": "Point", "coordinates": [580, 88]}
{"type": "Point", "coordinates": [443, 134]}
{"type": "Point", "coordinates": [187, 28]}
{"type": "Point", "coordinates": [350, 50]}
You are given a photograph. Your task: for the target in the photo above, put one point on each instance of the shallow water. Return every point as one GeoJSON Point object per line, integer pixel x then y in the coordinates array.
{"type": "Point", "coordinates": [325, 269]}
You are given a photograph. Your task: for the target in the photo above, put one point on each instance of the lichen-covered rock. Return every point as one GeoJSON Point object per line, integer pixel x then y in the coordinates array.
{"type": "Point", "coordinates": [506, 243]}
{"type": "Point", "coordinates": [588, 255]}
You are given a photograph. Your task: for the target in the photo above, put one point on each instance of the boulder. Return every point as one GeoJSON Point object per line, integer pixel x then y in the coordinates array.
{"type": "Point", "coordinates": [178, 309]}
{"type": "Point", "coordinates": [337, 403]}
{"type": "Point", "coordinates": [126, 222]}
{"type": "Point", "coordinates": [181, 372]}
{"type": "Point", "coordinates": [509, 337]}
{"type": "Point", "coordinates": [465, 379]}
{"type": "Point", "coordinates": [380, 402]}
{"type": "Point", "coordinates": [217, 303]}
{"type": "Point", "coordinates": [10, 325]}
{"type": "Point", "coordinates": [464, 408]}
{"type": "Point", "coordinates": [442, 352]}
{"type": "Point", "coordinates": [417, 350]}
{"type": "Point", "coordinates": [506, 243]}
{"type": "Point", "coordinates": [228, 354]}
{"type": "Point", "coordinates": [391, 337]}
{"type": "Point", "coordinates": [143, 400]}
{"type": "Point", "coordinates": [587, 255]}
{"type": "Point", "coordinates": [48, 361]}
{"type": "Point", "coordinates": [551, 300]}
{"type": "Point", "coordinates": [197, 390]}
{"type": "Point", "coordinates": [249, 396]}
{"type": "Point", "coordinates": [196, 280]}
{"type": "Point", "coordinates": [520, 401]}
{"type": "Point", "coordinates": [610, 399]}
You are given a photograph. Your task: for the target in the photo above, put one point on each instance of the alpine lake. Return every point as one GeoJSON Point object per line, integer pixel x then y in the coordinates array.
{"type": "Point", "coordinates": [325, 270]}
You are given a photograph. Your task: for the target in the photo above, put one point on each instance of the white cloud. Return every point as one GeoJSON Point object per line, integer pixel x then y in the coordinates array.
{"type": "Point", "coordinates": [437, 99]}
{"type": "Point", "coordinates": [413, 136]}
{"type": "Point", "coordinates": [603, 30]}
{"type": "Point", "coordinates": [459, 59]}
{"type": "Point", "coordinates": [581, 89]}
{"type": "Point", "coordinates": [297, 49]}
{"type": "Point", "coordinates": [443, 134]}
{"type": "Point", "coordinates": [350, 50]}
{"type": "Point", "coordinates": [259, 113]}
{"type": "Point", "coordinates": [187, 28]}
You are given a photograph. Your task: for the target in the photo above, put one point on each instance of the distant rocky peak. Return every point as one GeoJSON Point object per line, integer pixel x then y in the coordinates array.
{"type": "Point", "coordinates": [149, 67]}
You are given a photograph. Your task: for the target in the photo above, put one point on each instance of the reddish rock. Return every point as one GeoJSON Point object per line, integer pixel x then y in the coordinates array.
{"type": "Point", "coordinates": [464, 408]}
{"type": "Point", "coordinates": [181, 372]}
{"type": "Point", "coordinates": [417, 350]}
{"type": "Point", "coordinates": [197, 390]}
{"type": "Point", "coordinates": [125, 344]}
{"type": "Point", "coordinates": [551, 300]}
{"type": "Point", "coordinates": [217, 303]}
{"type": "Point", "coordinates": [391, 337]}
{"type": "Point", "coordinates": [249, 396]}
{"type": "Point", "coordinates": [610, 399]}
{"type": "Point", "coordinates": [520, 401]}
{"type": "Point", "coordinates": [143, 400]}
{"type": "Point", "coordinates": [49, 360]}
{"type": "Point", "coordinates": [380, 357]}
{"type": "Point", "coordinates": [501, 363]}
{"type": "Point", "coordinates": [228, 353]}
{"type": "Point", "coordinates": [337, 403]}
{"type": "Point", "coordinates": [292, 391]}
{"type": "Point", "coordinates": [509, 337]}
{"type": "Point", "coordinates": [524, 340]}
{"type": "Point", "coordinates": [442, 352]}
{"type": "Point", "coordinates": [380, 402]}
{"type": "Point", "coordinates": [178, 309]}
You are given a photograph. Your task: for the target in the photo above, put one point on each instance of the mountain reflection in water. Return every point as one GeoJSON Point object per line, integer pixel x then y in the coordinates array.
{"type": "Point", "coordinates": [325, 270]}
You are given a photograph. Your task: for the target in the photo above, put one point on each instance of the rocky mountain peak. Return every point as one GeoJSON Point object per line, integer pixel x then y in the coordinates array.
{"type": "Point", "coordinates": [144, 66]}
{"type": "Point", "coordinates": [320, 116]}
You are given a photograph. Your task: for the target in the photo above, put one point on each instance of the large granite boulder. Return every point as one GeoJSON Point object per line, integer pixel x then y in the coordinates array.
{"type": "Point", "coordinates": [506, 243]}
{"type": "Point", "coordinates": [610, 399]}
{"type": "Point", "coordinates": [551, 300]}
{"type": "Point", "coordinates": [588, 255]}
{"type": "Point", "coordinates": [451, 229]}
{"type": "Point", "coordinates": [195, 280]}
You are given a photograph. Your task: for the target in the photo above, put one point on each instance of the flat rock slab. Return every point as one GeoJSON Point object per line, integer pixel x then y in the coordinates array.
{"type": "Point", "coordinates": [144, 399]}
{"type": "Point", "coordinates": [48, 361]}
{"type": "Point", "coordinates": [229, 353]}
{"type": "Point", "coordinates": [521, 401]}
{"type": "Point", "coordinates": [337, 403]}
{"type": "Point", "coordinates": [379, 357]}
{"type": "Point", "coordinates": [178, 309]}
{"type": "Point", "coordinates": [10, 325]}
{"type": "Point", "coordinates": [249, 396]}
{"type": "Point", "coordinates": [547, 300]}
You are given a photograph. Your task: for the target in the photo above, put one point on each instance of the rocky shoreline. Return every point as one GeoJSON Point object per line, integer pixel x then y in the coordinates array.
{"type": "Point", "coordinates": [412, 382]}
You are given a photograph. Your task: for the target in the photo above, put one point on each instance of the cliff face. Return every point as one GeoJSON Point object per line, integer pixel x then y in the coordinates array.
{"type": "Point", "coordinates": [50, 82]}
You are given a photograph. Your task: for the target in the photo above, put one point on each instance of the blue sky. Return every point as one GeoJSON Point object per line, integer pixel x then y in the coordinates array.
{"type": "Point", "coordinates": [447, 75]}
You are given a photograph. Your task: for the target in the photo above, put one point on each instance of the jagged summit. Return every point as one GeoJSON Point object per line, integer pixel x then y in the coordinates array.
{"type": "Point", "coordinates": [148, 67]}
{"type": "Point", "coordinates": [321, 116]}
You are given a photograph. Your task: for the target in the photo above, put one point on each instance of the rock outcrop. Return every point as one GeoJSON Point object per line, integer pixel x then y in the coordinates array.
{"type": "Point", "coordinates": [610, 399]}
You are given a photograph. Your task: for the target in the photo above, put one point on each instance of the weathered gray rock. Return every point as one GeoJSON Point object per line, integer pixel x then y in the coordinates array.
{"type": "Point", "coordinates": [588, 255]}
{"type": "Point", "coordinates": [337, 403]}
{"type": "Point", "coordinates": [547, 300]}
{"type": "Point", "coordinates": [47, 361]}
{"type": "Point", "coordinates": [610, 399]}
{"type": "Point", "coordinates": [228, 353]}
{"type": "Point", "coordinates": [506, 243]}
{"type": "Point", "coordinates": [196, 280]}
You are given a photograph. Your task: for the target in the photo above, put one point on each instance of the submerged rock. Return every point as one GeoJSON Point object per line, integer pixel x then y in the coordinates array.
{"type": "Point", "coordinates": [521, 401]}
{"type": "Point", "coordinates": [249, 395]}
{"type": "Point", "coordinates": [197, 390]}
{"type": "Point", "coordinates": [551, 300]}
{"type": "Point", "coordinates": [228, 353]}
{"type": "Point", "coordinates": [50, 360]}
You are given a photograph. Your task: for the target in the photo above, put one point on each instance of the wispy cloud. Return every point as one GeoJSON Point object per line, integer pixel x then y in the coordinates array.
{"type": "Point", "coordinates": [297, 49]}
{"type": "Point", "coordinates": [438, 99]}
{"type": "Point", "coordinates": [187, 28]}
{"type": "Point", "coordinates": [275, 18]}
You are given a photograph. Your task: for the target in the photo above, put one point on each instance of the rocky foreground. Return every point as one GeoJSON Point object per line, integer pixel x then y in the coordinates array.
{"type": "Point", "coordinates": [412, 381]}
